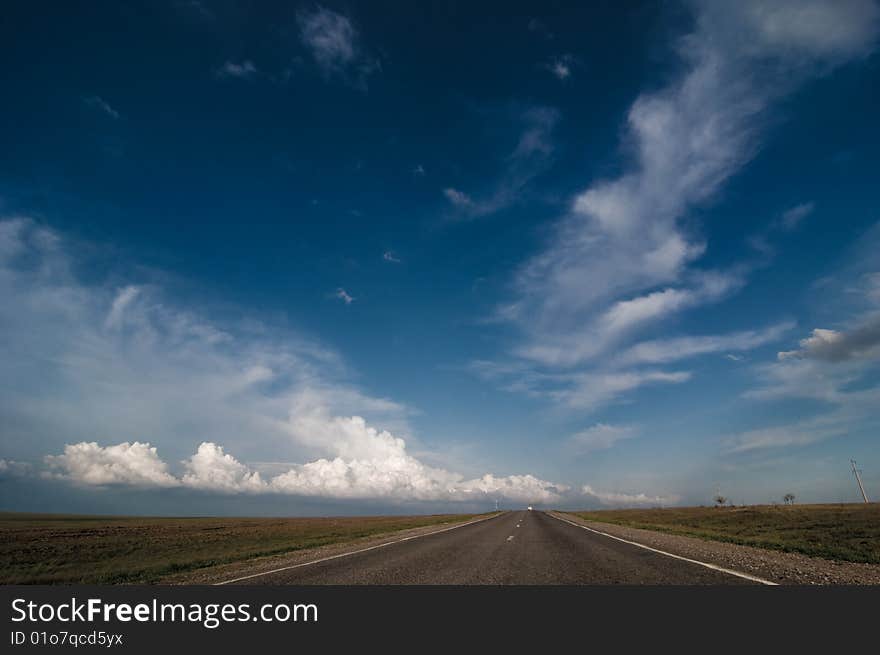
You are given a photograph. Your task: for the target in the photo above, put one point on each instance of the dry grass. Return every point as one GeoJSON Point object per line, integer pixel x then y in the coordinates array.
{"type": "Point", "coordinates": [846, 532]}
{"type": "Point", "coordinates": [66, 549]}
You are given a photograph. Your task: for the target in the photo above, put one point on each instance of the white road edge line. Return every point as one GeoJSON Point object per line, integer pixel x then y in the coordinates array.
{"type": "Point", "coordinates": [354, 552]}
{"type": "Point", "coordinates": [738, 574]}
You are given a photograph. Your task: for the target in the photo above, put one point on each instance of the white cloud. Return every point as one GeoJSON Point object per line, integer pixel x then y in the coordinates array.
{"type": "Point", "coordinates": [624, 314]}
{"type": "Point", "coordinates": [368, 464]}
{"type": "Point", "coordinates": [109, 358]}
{"type": "Point", "coordinates": [101, 105]}
{"type": "Point", "coordinates": [791, 218]}
{"type": "Point", "coordinates": [240, 70]}
{"type": "Point", "coordinates": [135, 464]}
{"type": "Point", "coordinates": [419, 170]}
{"type": "Point", "coordinates": [872, 291]}
{"type": "Point", "coordinates": [802, 378]}
{"type": "Point", "coordinates": [344, 296]}
{"type": "Point", "coordinates": [623, 318]}
{"type": "Point", "coordinates": [779, 437]}
{"type": "Point", "coordinates": [589, 391]}
{"type": "Point", "coordinates": [389, 256]}
{"type": "Point", "coordinates": [601, 437]}
{"type": "Point", "coordinates": [536, 26]}
{"type": "Point", "coordinates": [561, 70]}
{"type": "Point", "coordinates": [802, 31]}
{"type": "Point", "coordinates": [852, 411]}
{"type": "Point", "coordinates": [623, 257]}
{"type": "Point", "coordinates": [211, 468]}
{"type": "Point", "coordinates": [628, 500]}
{"type": "Point", "coordinates": [834, 370]}
{"type": "Point", "coordinates": [532, 155]}
{"type": "Point", "coordinates": [581, 391]}
{"type": "Point", "coordinates": [122, 300]}
{"type": "Point", "coordinates": [334, 43]}
{"type": "Point", "coordinates": [662, 351]}
{"type": "Point", "coordinates": [10, 467]}
{"type": "Point", "coordinates": [560, 67]}
{"type": "Point", "coordinates": [458, 198]}
{"type": "Point", "coordinates": [862, 341]}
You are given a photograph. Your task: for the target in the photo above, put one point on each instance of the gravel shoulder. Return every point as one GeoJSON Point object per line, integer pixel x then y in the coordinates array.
{"type": "Point", "coordinates": [224, 572]}
{"type": "Point", "coordinates": [779, 567]}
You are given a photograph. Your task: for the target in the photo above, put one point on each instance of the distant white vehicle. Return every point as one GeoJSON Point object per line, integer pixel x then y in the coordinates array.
{"type": "Point", "coordinates": [530, 508]}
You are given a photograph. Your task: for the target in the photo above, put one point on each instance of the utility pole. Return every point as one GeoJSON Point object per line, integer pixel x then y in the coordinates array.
{"type": "Point", "coordinates": [858, 479]}
{"type": "Point", "coordinates": [496, 503]}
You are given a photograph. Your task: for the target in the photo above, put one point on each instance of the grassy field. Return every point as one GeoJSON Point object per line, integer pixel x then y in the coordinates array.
{"type": "Point", "coordinates": [58, 549]}
{"type": "Point", "coordinates": [848, 532]}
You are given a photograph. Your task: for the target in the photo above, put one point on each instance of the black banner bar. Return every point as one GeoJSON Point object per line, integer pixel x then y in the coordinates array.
{"type": "Point", "coordinates": [135, 619]}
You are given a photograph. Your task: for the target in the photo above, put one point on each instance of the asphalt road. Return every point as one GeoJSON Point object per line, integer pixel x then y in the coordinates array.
{"type": "Point", "coordinates": [526, 548]}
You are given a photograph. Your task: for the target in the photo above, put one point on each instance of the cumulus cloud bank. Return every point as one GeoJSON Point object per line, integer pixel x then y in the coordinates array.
{"type": "Point", "coordinates": [371, 464]}
{"type": "Point", "coordinates": [108, 358]}
{"type": "Point", "coordinates": [136, 464]}
{"type": "Point", "coordinates": [376, 466]}
{"type": "Point", "coordinates": [364, 463]}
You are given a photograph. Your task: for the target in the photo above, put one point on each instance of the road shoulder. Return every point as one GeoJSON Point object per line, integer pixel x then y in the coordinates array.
{"type": "Point", "coordinates": [779, 567]}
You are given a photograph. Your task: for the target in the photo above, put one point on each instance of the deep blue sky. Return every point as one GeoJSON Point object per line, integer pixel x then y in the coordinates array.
{"type": "Point", "coordinates": [584, 244]}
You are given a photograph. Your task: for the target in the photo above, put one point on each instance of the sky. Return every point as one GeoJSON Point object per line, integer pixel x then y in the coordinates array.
{"type": "Point", "coordinates": [346, 258]}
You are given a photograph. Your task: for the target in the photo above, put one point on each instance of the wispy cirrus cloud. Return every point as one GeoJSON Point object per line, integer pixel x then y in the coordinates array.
{"type": "Point", "coordinates": [588, 391]}
{"type": "Point", "coordinates": [793, 217]}
{"type": "Point", "coordinates": [833, 370]}
{"type": "Point", "coordinates": [99, 104]}
{"type": "Point", "coordinates": [532, 155]}
{"type": "Point", "coordinates": [458, 199]}
{"type": "Point", "coordinates": [624, 258]}
{"type": "Point", "coordinates": [661, 351]}
{"type": "Point", "coordinates": [600, 436]}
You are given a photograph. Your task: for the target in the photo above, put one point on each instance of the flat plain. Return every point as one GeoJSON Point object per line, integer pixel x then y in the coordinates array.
{"type": "Point", "coordinates": [73, 549]}
{"type": "Point", "coordinates": [848, 532]}
{"type": "Point", "coordinates": [509, 548]}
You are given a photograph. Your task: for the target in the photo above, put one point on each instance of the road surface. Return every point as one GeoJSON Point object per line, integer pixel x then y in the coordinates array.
{"type": "Point", "coordinates": [526, 548]}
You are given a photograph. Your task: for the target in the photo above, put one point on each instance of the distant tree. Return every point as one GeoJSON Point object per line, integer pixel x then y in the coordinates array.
{"type": "Point", "coordinates": [720, 500]}
{"type": "Point", "coordinates": [789, 499]}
